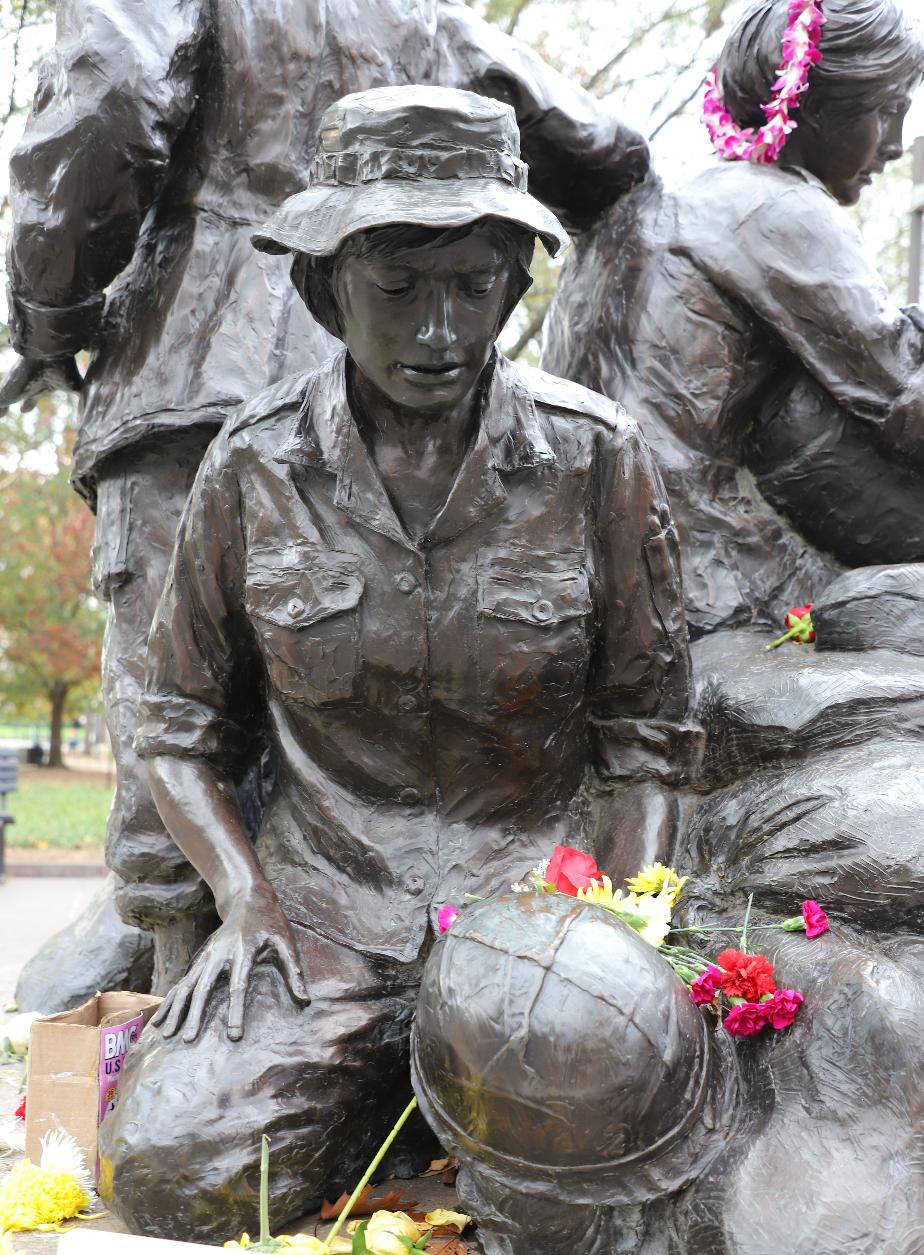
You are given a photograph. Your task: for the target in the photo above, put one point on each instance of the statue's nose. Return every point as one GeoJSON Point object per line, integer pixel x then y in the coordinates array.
{"type": "Point", "coordinates": [436, 329]}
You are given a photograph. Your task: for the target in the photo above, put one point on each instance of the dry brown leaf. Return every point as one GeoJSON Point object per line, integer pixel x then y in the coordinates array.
{"type": "Point", "coordinates": [437, 1166]}
{"type": "Point", "coordinates": [366, 1204]}
{"type": "Point", "coordinates": [450, 1246]}
{"type": "Point", "coordinates": [446, 1169]}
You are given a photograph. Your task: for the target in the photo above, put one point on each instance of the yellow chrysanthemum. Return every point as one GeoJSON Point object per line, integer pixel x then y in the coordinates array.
{"type": "Point", "coordinates": [656, 878]}
{"type": "Point", "coordinates": [649, 914]}
{"type": "Point", "coordinates": [6, 1244]}
{"type": "Point", "coordinates": [39, 1198]}
{"type": "Point", "coordinates": [603, 894]}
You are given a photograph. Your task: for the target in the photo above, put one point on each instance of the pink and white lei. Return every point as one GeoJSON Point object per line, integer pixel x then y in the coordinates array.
{"type": "Point", "coordinates": [800, 52]}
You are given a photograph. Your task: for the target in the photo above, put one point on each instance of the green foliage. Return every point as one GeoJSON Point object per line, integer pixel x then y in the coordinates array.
{"type": "Point", "coordinates": [51, 630]}
{"type": "Point", "coordinates": [61, 810]}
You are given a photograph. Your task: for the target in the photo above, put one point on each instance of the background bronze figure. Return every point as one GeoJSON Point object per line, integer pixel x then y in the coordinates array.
{"type": "Point", "coordinates": [148, 174]}
{"type": "Point", "coordinates": [740, 319]}
{"type": "Point", "coordinates": [446, 588]}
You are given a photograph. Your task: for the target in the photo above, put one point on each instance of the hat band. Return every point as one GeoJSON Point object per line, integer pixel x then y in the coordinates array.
{"type": "Point", "coordinates": [350, 168]}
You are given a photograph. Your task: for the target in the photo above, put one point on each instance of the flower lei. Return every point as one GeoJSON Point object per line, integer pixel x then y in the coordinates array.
{"type": "Point", "coordinates": [738, 985]}
{"type": "Point", "coordinates": [800, 52]}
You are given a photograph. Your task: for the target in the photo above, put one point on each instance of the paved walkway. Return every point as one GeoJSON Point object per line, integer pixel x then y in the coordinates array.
{"type": "Point", "coordinates": [31, 910]}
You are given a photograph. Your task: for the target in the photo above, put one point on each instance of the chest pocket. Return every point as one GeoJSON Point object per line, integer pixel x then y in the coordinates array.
{"type": "Point", "coordinates": [305, 611]}
{"type": "Point", "coordinates": [533, 630]}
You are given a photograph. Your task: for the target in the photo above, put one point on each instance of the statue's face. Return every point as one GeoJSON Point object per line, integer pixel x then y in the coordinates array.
{"type": "Point", "coordinates": [420, 324]}
{"type": "Point", "coordinates": [845, 146]}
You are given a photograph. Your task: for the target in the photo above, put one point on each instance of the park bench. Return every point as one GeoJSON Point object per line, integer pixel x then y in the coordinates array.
{"type": "Point", "coordinates": [9, 779]}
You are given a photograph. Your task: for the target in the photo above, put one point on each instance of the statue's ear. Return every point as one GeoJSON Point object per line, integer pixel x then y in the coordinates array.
{"type": "Point", "coordinates": [312, 279]}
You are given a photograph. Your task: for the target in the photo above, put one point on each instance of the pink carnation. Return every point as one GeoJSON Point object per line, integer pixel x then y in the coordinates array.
{"type": "Point", "coordinates": [782, 1007]}
{"type": "Point", "coordinates": [446, 917]}
{"type": "Point", "coordinates": [747, 1019]}
{"type": "Point", "coordinates": [816, 922]}
{"type": "Point", "coordinates": [707, 985]}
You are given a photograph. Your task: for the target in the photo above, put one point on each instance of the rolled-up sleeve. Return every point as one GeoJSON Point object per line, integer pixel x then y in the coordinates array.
{"type": "Point", "coordinates": [641, 680]}
{"type": "Point", "coordinates": [112, 98]}
{"type": "Point", "coordinates": [197, 703]}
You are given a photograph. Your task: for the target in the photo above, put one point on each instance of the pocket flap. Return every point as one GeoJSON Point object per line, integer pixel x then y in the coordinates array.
{"type": "Point", "coordinates": [297, 596]}
{"type": "Point", "coordinates": [522, 588]}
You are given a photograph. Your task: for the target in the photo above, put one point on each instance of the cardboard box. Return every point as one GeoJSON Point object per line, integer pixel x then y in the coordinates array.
{"type": "Point", "coordinates": [75, 1063]}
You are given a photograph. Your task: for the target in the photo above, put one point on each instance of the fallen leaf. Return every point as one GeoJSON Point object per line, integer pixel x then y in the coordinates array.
{"type": "Point", "coordinates": [447, 1169]}
{"type": "Point", "coordinates": [437, 1166]}
{"type": "Point", "coordinates": [450, 1246]}
{"type": "Point", "coordinates": [366, 1205]}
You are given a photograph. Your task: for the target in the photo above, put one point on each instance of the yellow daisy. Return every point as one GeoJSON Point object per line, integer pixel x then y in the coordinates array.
{"type": "Point", "coordinates": [656, 878]}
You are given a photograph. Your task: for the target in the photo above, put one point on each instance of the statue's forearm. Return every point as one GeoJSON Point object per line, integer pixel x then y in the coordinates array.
{"type": "Point", "coordinates": [201, 812]}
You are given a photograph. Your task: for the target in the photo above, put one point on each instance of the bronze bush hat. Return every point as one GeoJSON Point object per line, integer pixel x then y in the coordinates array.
{"type": "Point", "coordinates": [426, 156]}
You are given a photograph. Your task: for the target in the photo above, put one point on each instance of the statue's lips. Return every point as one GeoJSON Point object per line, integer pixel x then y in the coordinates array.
{"type": "Point", "coordinates": [445, 373]}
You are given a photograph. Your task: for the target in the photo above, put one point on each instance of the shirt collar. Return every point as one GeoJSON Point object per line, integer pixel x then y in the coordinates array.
{"type": "Point", "coordinates": [510, 438]}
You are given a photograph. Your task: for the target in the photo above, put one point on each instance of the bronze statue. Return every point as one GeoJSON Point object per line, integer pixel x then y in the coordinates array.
{"type": "Point", "coordinates": [149, 175]}
{"type": "Point", "coordinates": [738, 317]}
{"type": "Point", "coordinates": [445, 588]}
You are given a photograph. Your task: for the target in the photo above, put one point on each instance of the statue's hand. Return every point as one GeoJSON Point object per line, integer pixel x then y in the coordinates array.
{"type": "Point", "coordinates": [255, 929]}
{"type": "Point", "coordinates": [32, 377]}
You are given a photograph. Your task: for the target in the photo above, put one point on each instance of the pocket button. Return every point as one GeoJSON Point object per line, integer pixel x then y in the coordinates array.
{"type": "Point", "coordinates": [542, 611]}
{"type": "Point", "coordinates": [409, 797]}
{"type": "Point", "coordinates": [295, 607]}
{"type": "Point", "coordinates": [406, 582]}
{"type": "Point", "coordinates": [407, 703]}
{"type": "Point", "coordinates": [414, 885]}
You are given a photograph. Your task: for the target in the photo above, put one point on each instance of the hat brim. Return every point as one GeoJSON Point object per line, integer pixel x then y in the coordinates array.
{"type": "Point", "coordinates": [318, 220]}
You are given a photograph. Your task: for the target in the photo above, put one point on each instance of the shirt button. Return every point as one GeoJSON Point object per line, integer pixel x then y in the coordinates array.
{"type": "Point", "coordinates": [408, 797]}
{"type": "Point", "coordinates": [414, 885]}
{"type": "Point", "coordinates": [295, 607]}
{"type": "Point", "coordinates": [407, 703]}
{"type": "Point", "coordinates": [542, 611]}
{"type": "Point", "coordinates": [406, 582]}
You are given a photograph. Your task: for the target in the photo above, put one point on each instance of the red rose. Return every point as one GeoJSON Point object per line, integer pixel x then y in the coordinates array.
{"type": "Point", "coordinates": [570, 870]}
{"type": "Point", "coordinates": [782, 1007]}
{"type": "Point", "coordinates": [816, 922]}
{"type": "Point", "coordinates": [747, 976]}
{"type": "Point", "coordinates": [747, 1019]}
{"type": "Point", "coordinates": [707, 985]}
{"type": "Point", "coordinates": [794, 618]}
{"type": "Point", "coordinates": [20, 1112]}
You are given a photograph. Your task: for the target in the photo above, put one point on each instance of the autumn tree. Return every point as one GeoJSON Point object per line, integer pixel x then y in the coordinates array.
{"type": "Point", "coordinates": [50, 623]}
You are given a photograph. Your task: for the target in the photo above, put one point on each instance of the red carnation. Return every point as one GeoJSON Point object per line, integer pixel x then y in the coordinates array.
{"type": "Point", "coordinates": [570, 870]}
{"type": "Point", "coordinates": [747, 976]}
{"type": "Point", "coordinates": [747, 1019]}
{"type": "Point", "coordinates": [782, 1007]}
{"type": "Point", "coordinates": [20, 1112]}
{"type": "Point", "coordinates": [816, 922]}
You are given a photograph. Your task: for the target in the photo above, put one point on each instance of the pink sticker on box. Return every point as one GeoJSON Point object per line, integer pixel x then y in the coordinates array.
{"type": "Point", "coordinates": [114, 1042]}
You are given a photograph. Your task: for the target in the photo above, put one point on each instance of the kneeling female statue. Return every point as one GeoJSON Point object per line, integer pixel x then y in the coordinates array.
{"type": "Point", "coordinates": [446, 588]}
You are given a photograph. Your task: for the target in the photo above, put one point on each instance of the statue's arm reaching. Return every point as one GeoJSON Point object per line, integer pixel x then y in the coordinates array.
{"type": "Point", "coordinates": [202, 695]}
{"type": "Point", "coordinates": [112, 97]}
{"type": "Point", "coordinates": [646, 742]}
{"type": "Point", "coordinates": [581, 156]}
{"type": "Point", "coordinates": [200, 809]}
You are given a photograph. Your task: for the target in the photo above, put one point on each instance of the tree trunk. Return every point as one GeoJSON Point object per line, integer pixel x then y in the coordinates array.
{"type": "Point", "coordinates": [58, 696]}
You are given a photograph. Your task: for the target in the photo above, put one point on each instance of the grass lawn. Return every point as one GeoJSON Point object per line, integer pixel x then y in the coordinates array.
{"type": "Point", "coordinates": [64, 809]}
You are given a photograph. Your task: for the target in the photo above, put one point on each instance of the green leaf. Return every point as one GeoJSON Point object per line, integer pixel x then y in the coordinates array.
{"type": "Point", "coordinates": [359, 1240]}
